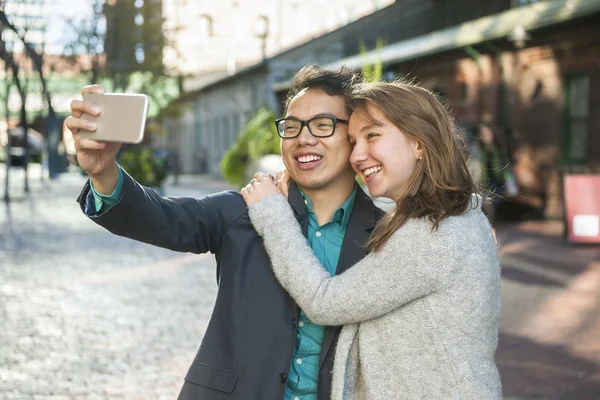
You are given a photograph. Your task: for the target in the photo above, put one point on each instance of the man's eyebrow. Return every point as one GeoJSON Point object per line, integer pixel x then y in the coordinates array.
{"type": "Point", "coordinates": [325, 115]}
{"type": "Point", "coordinates": [320, 115]}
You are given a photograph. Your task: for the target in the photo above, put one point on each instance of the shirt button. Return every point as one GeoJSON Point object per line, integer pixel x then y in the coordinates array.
{"type": "Point", "coordinates": [301, 324]}
{"type": "Point", "coordinates": [318, 233]}
{"type": "Point", "coordinates": [299, 361]}
{"type": "Point", "coordinates": [296, 398]}
{"type": "Point", "coordinates": [305, 202]}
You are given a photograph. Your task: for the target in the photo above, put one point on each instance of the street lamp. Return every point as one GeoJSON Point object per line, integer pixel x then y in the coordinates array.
{"type": "Point", "coordinates": [519, 36]}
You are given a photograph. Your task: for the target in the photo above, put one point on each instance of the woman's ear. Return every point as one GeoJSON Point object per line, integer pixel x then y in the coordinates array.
{"type": "Point", "coordinates": [418, 150]}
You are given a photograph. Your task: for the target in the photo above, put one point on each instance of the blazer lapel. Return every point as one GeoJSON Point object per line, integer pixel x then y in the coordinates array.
{"type": "Point", "coordinates": [299, 207]}
{"type": "Point", "coordinates": [364, 217]}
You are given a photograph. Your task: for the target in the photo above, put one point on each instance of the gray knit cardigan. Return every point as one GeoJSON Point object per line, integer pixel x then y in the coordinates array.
{"type": "Point", "coordinates": [420, 316]}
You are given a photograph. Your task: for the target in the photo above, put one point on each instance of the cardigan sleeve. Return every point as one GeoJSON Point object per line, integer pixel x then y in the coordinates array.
{"type": "Point", "coordinates": [413, 263]}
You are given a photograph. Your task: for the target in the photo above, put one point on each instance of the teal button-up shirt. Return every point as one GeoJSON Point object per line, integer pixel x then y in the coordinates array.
{"type": "Point", "coordinates": [326, 242]}
{"type": "Point", "coordinates": [103, 202]}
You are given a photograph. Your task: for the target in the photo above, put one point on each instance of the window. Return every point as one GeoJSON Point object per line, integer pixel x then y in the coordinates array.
{"type": "Point", "coordinates": [206, 26]}
{"type": "Point", "coordinates": [577, 101]}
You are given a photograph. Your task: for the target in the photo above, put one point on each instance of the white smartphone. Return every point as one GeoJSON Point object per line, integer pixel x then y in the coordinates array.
{"type": "Point", "coordinates": [122, 117]}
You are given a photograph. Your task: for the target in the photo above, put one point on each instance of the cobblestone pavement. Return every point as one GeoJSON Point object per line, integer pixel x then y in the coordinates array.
{"type": "Point", "coordinates": [86, 315]}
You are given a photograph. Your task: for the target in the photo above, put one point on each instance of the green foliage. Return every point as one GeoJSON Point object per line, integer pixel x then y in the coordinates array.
{"type": "Point", "coordinates": [372, 72]}
{"type": "Point", "coordinates": [258, 138]}
{"type": "Point", "coordinates": [134, 40]}
{"type": "Point", "coordinates": [144, 166]}
{"type": "Point", "coordinates": [162, 90]}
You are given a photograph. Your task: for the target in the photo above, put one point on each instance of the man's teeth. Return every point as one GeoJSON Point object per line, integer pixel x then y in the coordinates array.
{"type": "Point", "coordinates": [372, 170]}
{"type": "Point", "coordinates": [307, 159]}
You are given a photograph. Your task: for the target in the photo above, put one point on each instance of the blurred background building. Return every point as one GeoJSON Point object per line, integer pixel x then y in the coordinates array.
{"type": "Point", "coordinates": [212, 39]}
{"type": "Point", "coordinates": [530, 68]}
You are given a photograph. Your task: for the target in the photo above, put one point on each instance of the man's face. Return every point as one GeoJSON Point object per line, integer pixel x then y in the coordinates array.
{"type": "Point", "coordinates": [316, 163]}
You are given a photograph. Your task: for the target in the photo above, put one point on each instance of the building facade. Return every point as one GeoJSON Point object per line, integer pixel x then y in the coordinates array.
{"type": "Point", "coordinates": [531, 68]}
{"type": "Point", "coordinates": [539, 92]}
{"type": "Point", "coordinates": [226, 36]}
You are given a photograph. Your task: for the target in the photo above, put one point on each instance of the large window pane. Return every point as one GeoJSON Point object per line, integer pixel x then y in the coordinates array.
{"type": "Point", "coordinates": [579, 97]}
{"type": "Point", "coordinates": [577, 101]}
{"type": "Point", "coordinates": [578, 140]}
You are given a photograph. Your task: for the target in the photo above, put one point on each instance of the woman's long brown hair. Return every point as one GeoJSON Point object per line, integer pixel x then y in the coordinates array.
{"type": "Point", "coordinates": [441, 185]}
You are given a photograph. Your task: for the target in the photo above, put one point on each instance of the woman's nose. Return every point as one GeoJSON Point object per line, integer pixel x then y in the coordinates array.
{"type": "Point", "coordinates": [358, 155]}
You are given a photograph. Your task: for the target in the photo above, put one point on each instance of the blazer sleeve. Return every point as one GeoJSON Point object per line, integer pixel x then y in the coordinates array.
{"type": "Point", "coordinates": [183, 224]}
{"type": "Point", "coordinates": [413, 264]}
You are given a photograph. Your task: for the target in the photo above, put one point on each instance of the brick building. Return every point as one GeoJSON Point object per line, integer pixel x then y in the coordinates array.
{"type": "Point", "coordinates": [540, 94]}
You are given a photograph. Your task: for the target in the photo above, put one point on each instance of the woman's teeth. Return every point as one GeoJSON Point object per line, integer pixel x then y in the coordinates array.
{"type": "Point", "coordinates": [370, 171]}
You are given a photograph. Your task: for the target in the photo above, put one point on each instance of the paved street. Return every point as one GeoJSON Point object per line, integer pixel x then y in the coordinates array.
{"type": "Point", "coordinates": [86, 315]}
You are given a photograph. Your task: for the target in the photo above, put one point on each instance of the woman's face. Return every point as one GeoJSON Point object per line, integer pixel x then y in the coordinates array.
{"type": "Point", "coordinates": [486, 135]}
{"type": "Point", "coordinates": [382, 155]}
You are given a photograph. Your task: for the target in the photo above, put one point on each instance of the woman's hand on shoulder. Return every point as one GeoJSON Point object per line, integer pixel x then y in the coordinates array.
{"type": "Point", "coordinates": [260, 186]}
{"type": "Point", "coordinates": [282, 180]}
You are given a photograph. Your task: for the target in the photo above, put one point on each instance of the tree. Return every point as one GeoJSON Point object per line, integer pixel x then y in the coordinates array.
{"type": "Point", "coordinates": [153, 41]}
{"type": "Point", "coordinates": [121, 42]}
{"type": "Point", "coordinates": [88, 41]}
{"type": "Point", "coordinates": [19, 75]}
{"type": "Point", "coordinates": [134, 40]}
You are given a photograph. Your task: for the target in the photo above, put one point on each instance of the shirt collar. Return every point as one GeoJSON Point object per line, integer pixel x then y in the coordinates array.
{"type": "Point", "coordinates": [343, 213]}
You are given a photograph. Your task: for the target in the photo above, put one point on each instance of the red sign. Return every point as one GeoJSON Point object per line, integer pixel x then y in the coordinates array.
{"type": "Point", "coordinates": [582, 202]}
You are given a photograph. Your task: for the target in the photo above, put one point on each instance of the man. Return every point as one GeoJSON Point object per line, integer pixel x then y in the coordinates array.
{"type": "Point", "coordinates": [258, 344]}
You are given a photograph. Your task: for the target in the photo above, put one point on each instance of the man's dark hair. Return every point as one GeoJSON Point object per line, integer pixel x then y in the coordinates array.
{"type": "Point", "coordinates": [334, 83]}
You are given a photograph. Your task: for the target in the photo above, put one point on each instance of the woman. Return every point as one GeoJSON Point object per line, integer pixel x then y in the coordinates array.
{"type": "Point", "coordinates": [420, 312]}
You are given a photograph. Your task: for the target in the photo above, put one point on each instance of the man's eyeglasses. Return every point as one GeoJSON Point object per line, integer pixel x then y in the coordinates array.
{"type": "Point", "coordinates": [321, 127]}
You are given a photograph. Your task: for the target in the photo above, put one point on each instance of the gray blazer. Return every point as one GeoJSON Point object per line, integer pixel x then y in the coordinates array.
{"type": "Point", "coordinates": [247, 350]}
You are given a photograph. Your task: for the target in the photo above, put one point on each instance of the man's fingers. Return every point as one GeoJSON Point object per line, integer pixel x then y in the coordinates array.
{"type": "Point", "coordinates": [80, 106]}
{"type": "Point", "coordinates": [93, 89]}
{"type": "Point", "coordinates": [74, 124]}
{"type": "Point", "coordinates": [88, 144]}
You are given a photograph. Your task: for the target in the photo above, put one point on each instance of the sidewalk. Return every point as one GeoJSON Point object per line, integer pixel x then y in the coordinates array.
{"type": "Point", "coordinates": [549, 346]}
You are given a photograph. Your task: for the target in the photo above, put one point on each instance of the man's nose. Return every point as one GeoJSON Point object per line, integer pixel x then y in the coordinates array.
{"type": "Point", "coordinates": [306, 138]}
